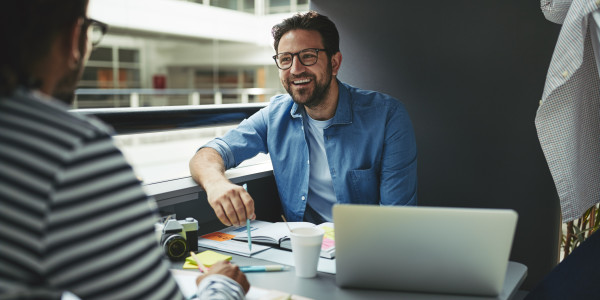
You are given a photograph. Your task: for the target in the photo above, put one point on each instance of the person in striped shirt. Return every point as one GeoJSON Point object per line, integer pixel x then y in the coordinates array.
{"type": "Point", "coordinates": [73, 217]}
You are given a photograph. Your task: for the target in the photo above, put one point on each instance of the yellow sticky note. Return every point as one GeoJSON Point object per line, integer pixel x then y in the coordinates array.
{"type": "Point", "coordinates": [188, 265]}
{"type": "Point", "coordinates": [329, 233]}
{"type": "Point", "coordinates": [208, 258]}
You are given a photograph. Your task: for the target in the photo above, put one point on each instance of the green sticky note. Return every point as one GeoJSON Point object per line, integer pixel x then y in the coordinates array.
{"type": "Point", "coordinates": [208, 258]}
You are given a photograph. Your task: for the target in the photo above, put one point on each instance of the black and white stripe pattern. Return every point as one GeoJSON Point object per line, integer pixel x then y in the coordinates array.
{"type": "Point", "coordinates": [568, 119]}
{"type": "Point", "coordinates": [73, 216]}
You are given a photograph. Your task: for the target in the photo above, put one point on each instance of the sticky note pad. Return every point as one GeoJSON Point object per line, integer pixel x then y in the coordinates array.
{"type": "Point", "coordinates": [329, 232]}
{"type": "Point", "coordinates": [327, 244]}
{"type": "Point", "coordinates": [208, 258]}
{"type": "Point", "coordinates": [188, 265]}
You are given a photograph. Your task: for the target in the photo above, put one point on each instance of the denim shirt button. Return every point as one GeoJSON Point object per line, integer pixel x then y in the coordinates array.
{"type": "Point", "coordinates": [303, 198]}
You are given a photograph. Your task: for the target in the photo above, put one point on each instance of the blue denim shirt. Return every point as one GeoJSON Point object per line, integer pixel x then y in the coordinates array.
{"type": "Point", "coordinates": [370, 148]}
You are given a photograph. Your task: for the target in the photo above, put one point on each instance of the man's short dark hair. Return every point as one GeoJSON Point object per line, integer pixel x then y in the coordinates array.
{"type": "Point", "coordinates": [310, 21]}
{"type": "Point", "coordinates": [27, 30]}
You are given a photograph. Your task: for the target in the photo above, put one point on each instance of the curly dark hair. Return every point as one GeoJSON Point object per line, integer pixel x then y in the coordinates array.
{"type": "Point", "coordinates": [27, 30]}
{"type": "Point", "coordinates": [311, 20]}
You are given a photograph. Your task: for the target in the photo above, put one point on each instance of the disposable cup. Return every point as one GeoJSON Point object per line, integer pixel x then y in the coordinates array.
{"type": "Point", "coordinates": [306, 247]}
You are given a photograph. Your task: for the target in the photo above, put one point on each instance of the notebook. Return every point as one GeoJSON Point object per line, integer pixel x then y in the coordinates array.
{"type": "Point", "coordinates": [278, 234]}
{"type": "Point", "coordinates": [425, 249]}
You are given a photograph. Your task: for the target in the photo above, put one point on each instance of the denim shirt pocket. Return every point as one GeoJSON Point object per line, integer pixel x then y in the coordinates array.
{"type": "Point", "coordinates": [364, 186]}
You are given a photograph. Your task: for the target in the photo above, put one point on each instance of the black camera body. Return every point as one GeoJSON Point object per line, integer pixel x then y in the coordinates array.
{"type": "Point", "coordinates": [179, 237]}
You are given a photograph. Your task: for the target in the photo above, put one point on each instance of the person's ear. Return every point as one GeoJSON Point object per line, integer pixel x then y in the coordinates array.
{"type": "Point", "coordinates": [336, 62]}
{"type": "Point", "coordinates": [72, 44]}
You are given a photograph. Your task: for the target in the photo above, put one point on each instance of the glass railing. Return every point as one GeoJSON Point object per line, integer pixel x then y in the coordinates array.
{"type": "Point", "coordinates": [159, 141]}
{"type": "Point", "coordinates": [129, 120]}
{"type": "Point", "coordinates": [117, 98]}
{"type": "Point", "coordinates": [258, 7]}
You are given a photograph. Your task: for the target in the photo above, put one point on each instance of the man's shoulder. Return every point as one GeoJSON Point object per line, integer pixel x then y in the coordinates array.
{"type": "Point", "coordinates": [281, 100]}
{"type": "Point", "coordinates": [46, 115]}
{"type": "Point", "coordinates": [280, 104]}
{"type": "Point", "coordinates": [369, 98]}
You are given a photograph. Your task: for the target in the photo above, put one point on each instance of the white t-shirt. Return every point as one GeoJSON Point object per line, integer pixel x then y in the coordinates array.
{"type": "Point", "coordinates": [321, 195]}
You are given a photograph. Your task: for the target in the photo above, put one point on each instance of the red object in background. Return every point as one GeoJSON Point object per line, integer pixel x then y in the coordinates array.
{"type": "Point", "coordinates": [159, 81]}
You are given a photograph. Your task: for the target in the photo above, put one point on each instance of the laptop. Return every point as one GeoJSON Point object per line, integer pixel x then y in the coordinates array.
{"type": "Point", "coordinates": [424, 249]}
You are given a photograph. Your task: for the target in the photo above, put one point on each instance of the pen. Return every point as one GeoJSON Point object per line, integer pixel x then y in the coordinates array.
{"type": "Point", "coordinates": [249, 235]}
{"type": "Point", "coordinates": [248, 227]}
{"type": "Point", "coordinates": [201, 266]}
{"type": "Point", "coordinates": [268, 268]}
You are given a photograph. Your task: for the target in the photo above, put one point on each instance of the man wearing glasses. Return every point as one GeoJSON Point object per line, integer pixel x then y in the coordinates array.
{"type": "Point", "coordinates": [73, 217]}
{"type": "Point", "coordinates": [329, 142]}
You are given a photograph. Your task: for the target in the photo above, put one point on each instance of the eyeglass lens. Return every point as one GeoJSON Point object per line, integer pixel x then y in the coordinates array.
{"type": "Point", "coordinates": [307, 57]}
{"type": "Point", "coordinates": [95, 34]}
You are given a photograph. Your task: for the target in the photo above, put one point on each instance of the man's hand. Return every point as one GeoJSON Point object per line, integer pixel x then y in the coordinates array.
{"type": "Point", "coordinates": [232, 203]}
{"type": "Point", "coordinates": [229, 270]}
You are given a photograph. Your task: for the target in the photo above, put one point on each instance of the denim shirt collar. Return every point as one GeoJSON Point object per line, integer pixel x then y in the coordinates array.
{"type": "Point", "coordinates": [343, 112]}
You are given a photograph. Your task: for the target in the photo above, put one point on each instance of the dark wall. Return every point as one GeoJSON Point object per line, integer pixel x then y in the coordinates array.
{"type": "Point", "coordinates": [471, 74]}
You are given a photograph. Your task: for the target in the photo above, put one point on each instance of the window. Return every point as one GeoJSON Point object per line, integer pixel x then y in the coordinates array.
{"type": "Point", "coordinates": [270, 6]}
{"type": "Point", "coordinates": [230, 4]}
{"type": "Point", "coordinates": [109, 68]}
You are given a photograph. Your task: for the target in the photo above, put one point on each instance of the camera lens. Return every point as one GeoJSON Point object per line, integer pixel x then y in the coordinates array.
{"type": "Point", "coordinates": [175, 247]}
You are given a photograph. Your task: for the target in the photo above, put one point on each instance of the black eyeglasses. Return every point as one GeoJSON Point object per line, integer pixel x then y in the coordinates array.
{"type": "Point", "coordinates": [96, 30]}
{"type": "Point", "coordinates": [307, 57]}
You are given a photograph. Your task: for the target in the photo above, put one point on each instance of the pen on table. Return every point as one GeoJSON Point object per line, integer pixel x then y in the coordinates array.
{"type": "Point", "coordinates": [267, 268]}
{"type": "Point", "coordinates": [201, 266]}
{"type": "Point", "coordinates": [248, 226]}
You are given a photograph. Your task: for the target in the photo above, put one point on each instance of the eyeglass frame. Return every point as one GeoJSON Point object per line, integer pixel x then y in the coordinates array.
{"type": "Point", "coordinates": [89, 22]}
{"type": "Point", "coordinates": [299, 59]}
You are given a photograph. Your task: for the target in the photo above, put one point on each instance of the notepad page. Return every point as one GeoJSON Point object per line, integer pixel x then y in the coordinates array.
{"type": "Point", "coordinates": [219, 241]}
{"type": "Point", "coordinates": [272, 233]}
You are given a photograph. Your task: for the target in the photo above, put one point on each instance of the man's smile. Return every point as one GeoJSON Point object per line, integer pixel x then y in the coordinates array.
{"type": "Point", "coordinates": [301, 81]}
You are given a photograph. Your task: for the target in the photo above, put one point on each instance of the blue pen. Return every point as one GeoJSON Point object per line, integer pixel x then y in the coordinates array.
{"type": "Point", "coordinates": [268, 268]}
{"type": "Point", "coordinates": [249, 235]}
{"type": "Point", "coordinates": [248, 227]}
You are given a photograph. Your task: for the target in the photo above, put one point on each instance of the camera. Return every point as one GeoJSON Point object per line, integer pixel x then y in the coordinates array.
{"type": "Point", "coordinates": [179, 237]}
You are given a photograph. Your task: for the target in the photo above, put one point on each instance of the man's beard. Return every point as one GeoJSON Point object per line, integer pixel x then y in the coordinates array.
{"type": "Point", "coordinates": [65, 89]}
{"type": "Point", "coordinates": [318, 94]}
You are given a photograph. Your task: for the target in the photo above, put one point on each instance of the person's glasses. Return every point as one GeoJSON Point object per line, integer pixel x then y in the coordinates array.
{"type": "Point", "coordinates": [307, 57]}
{"type": "Point", "coordinates": [96, 30]}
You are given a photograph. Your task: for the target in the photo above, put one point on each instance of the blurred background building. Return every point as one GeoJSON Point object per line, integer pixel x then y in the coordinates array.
{"type": "Point", "coordinates": [166, 54]}
{"type": "Point", "coordinates": [177, 52]}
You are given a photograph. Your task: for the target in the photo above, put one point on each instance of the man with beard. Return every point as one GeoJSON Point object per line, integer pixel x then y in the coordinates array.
{"type": "Point", "coordinates": [329, 142]}
{"type": "Point", "coordinates": [73, 217]}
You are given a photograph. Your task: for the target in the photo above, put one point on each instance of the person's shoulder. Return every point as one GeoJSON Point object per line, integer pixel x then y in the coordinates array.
{"type": "Point", "coordinates": [369, 98]}
{"type": "Point", "coordinates": [281, 99]}
{"type": "Point", "coordinates": [280, 103]}
{"type": "Point", "coordinates": [51, 115]}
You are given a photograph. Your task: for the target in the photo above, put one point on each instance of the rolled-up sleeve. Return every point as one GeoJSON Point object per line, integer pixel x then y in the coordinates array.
{"type": "Point", "coordinates": [243, 142]}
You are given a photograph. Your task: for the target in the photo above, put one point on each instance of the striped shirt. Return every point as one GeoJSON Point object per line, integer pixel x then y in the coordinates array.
{"type": "Point", "coordinates": [73, 216]}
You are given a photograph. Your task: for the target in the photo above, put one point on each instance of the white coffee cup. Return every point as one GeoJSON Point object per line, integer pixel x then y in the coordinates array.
{"type": "Point", "coordinates": [306, 247]}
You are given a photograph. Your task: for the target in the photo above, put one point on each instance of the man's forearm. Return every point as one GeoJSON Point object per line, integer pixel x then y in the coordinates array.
{"type": "Point", "coordinates": [231, 203]}
{"type": "Point", "coordinates": [207, 166]}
